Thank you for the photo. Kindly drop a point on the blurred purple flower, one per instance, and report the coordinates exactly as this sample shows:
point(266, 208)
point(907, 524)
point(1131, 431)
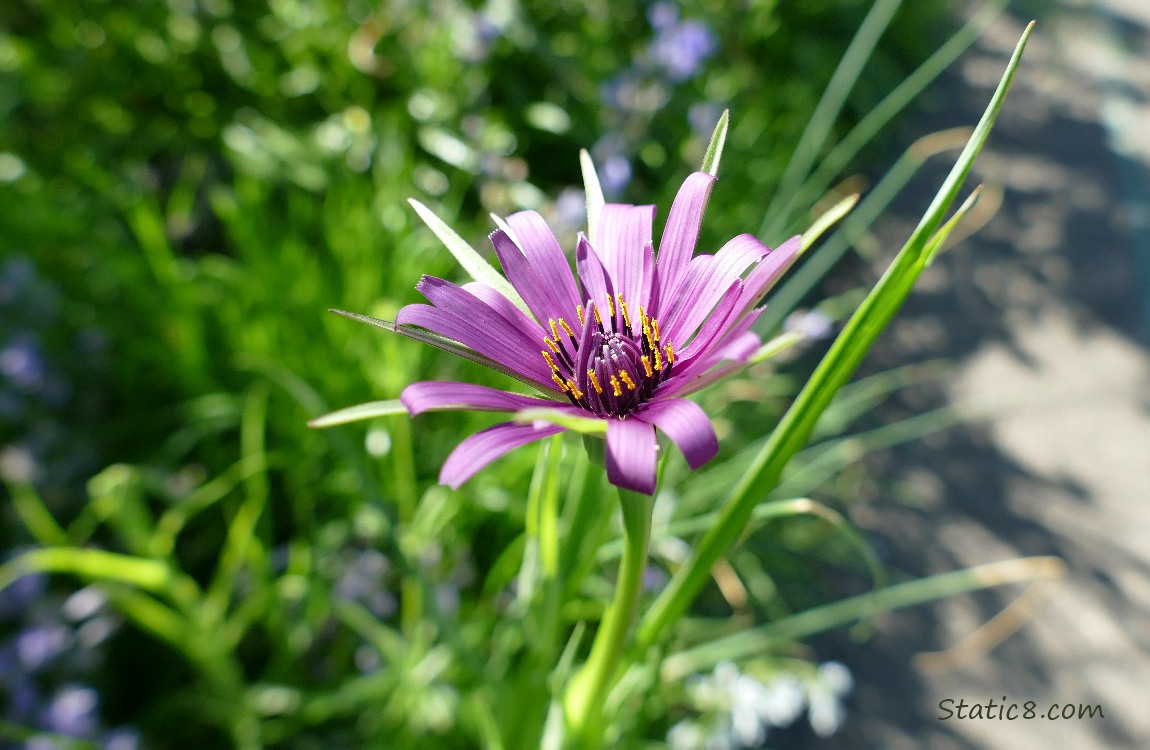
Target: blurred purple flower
point(39, 645)
point(21, 363)
point(623, 341)
point(123, 738)
point(72, 711)
point(679, 48)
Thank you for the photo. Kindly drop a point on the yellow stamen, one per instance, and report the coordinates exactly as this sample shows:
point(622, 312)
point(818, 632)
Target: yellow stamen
point(647, 365)
point(655, 328)
point(595, 309)
point(551, 345)
point(615, 386)
point(554, 330)
point(547, 356)
point(626, 378)
point(611, 305)
point(578, 394)
point(579, 312)
point(567, 328)
point(623, 307)
point(658, 358)
point(670, 352)
point(559, 382)
point(594, 381)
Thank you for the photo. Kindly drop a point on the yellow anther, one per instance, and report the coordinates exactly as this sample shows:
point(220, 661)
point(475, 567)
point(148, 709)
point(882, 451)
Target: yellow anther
point(647, 365)
point(623, 307)
point(554, 329)
point(670, 352)
point(578, 394)
point(594, 381)
point(551, 345)
point(611, 305)
point(642, 317)
point(559, 382)
point(595, 309)
point(579, 312)
point(658, 358)
point(615, 386)
point(567, 328)
point(655, 328)
point(626, 378)
point(547, 356)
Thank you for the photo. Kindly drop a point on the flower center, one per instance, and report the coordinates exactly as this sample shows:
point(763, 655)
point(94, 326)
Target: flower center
point(615, 366)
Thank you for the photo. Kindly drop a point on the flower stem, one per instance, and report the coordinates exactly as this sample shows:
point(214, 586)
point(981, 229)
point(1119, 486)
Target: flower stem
point(587, 692)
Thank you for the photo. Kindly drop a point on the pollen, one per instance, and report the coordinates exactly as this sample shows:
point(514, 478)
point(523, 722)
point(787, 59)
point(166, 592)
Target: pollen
point(547, 356)
point(595, 310)
point(559, 382)
point(610, 305)
point(623, 307)
point(615, 386)
point(551, 345)
point(578, 394)
point(647, 365)
point(655, 328)
point(579, 312)
point(670, 353)
point(554, 328)
point(658, 358)
point(594, 381)
point(626, 378)
point(567, 328)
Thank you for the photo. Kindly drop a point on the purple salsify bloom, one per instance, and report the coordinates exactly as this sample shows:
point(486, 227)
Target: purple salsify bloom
point(623, 340)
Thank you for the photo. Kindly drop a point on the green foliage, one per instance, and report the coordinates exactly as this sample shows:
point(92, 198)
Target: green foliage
point(194, 182)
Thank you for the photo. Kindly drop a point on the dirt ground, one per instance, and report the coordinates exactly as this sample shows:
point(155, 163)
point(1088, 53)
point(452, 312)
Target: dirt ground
point(1044, 316)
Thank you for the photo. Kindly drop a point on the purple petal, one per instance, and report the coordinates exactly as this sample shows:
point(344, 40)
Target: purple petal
point(441, 395)
point(770, 269)
point(681, 234)
point(482, 448)
point(717, 323)
point(596, 284)
point(620, 236)
point(527, 362)
point(494, 299)
point(536, 291)
point(737, 345)
point(546, 257)
point(631, 455)
point(687, 425)
point(708, 278)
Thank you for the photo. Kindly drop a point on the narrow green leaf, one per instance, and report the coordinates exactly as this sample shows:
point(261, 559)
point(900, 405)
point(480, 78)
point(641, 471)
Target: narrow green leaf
point(471, 261)
point(897, 596)
point(90, 564)
point(592, 189)
point(828, 220)
point(369, 410)
point(715, 147)
point(836, 367)
point(582, 425)
point(936, 242)
point(831, 102)
point(841, 154)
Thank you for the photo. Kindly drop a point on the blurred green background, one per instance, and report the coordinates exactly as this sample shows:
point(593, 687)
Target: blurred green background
point(186, 186)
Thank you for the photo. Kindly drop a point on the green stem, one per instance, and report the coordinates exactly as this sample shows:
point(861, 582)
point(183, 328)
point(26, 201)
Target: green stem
point(583, 702)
